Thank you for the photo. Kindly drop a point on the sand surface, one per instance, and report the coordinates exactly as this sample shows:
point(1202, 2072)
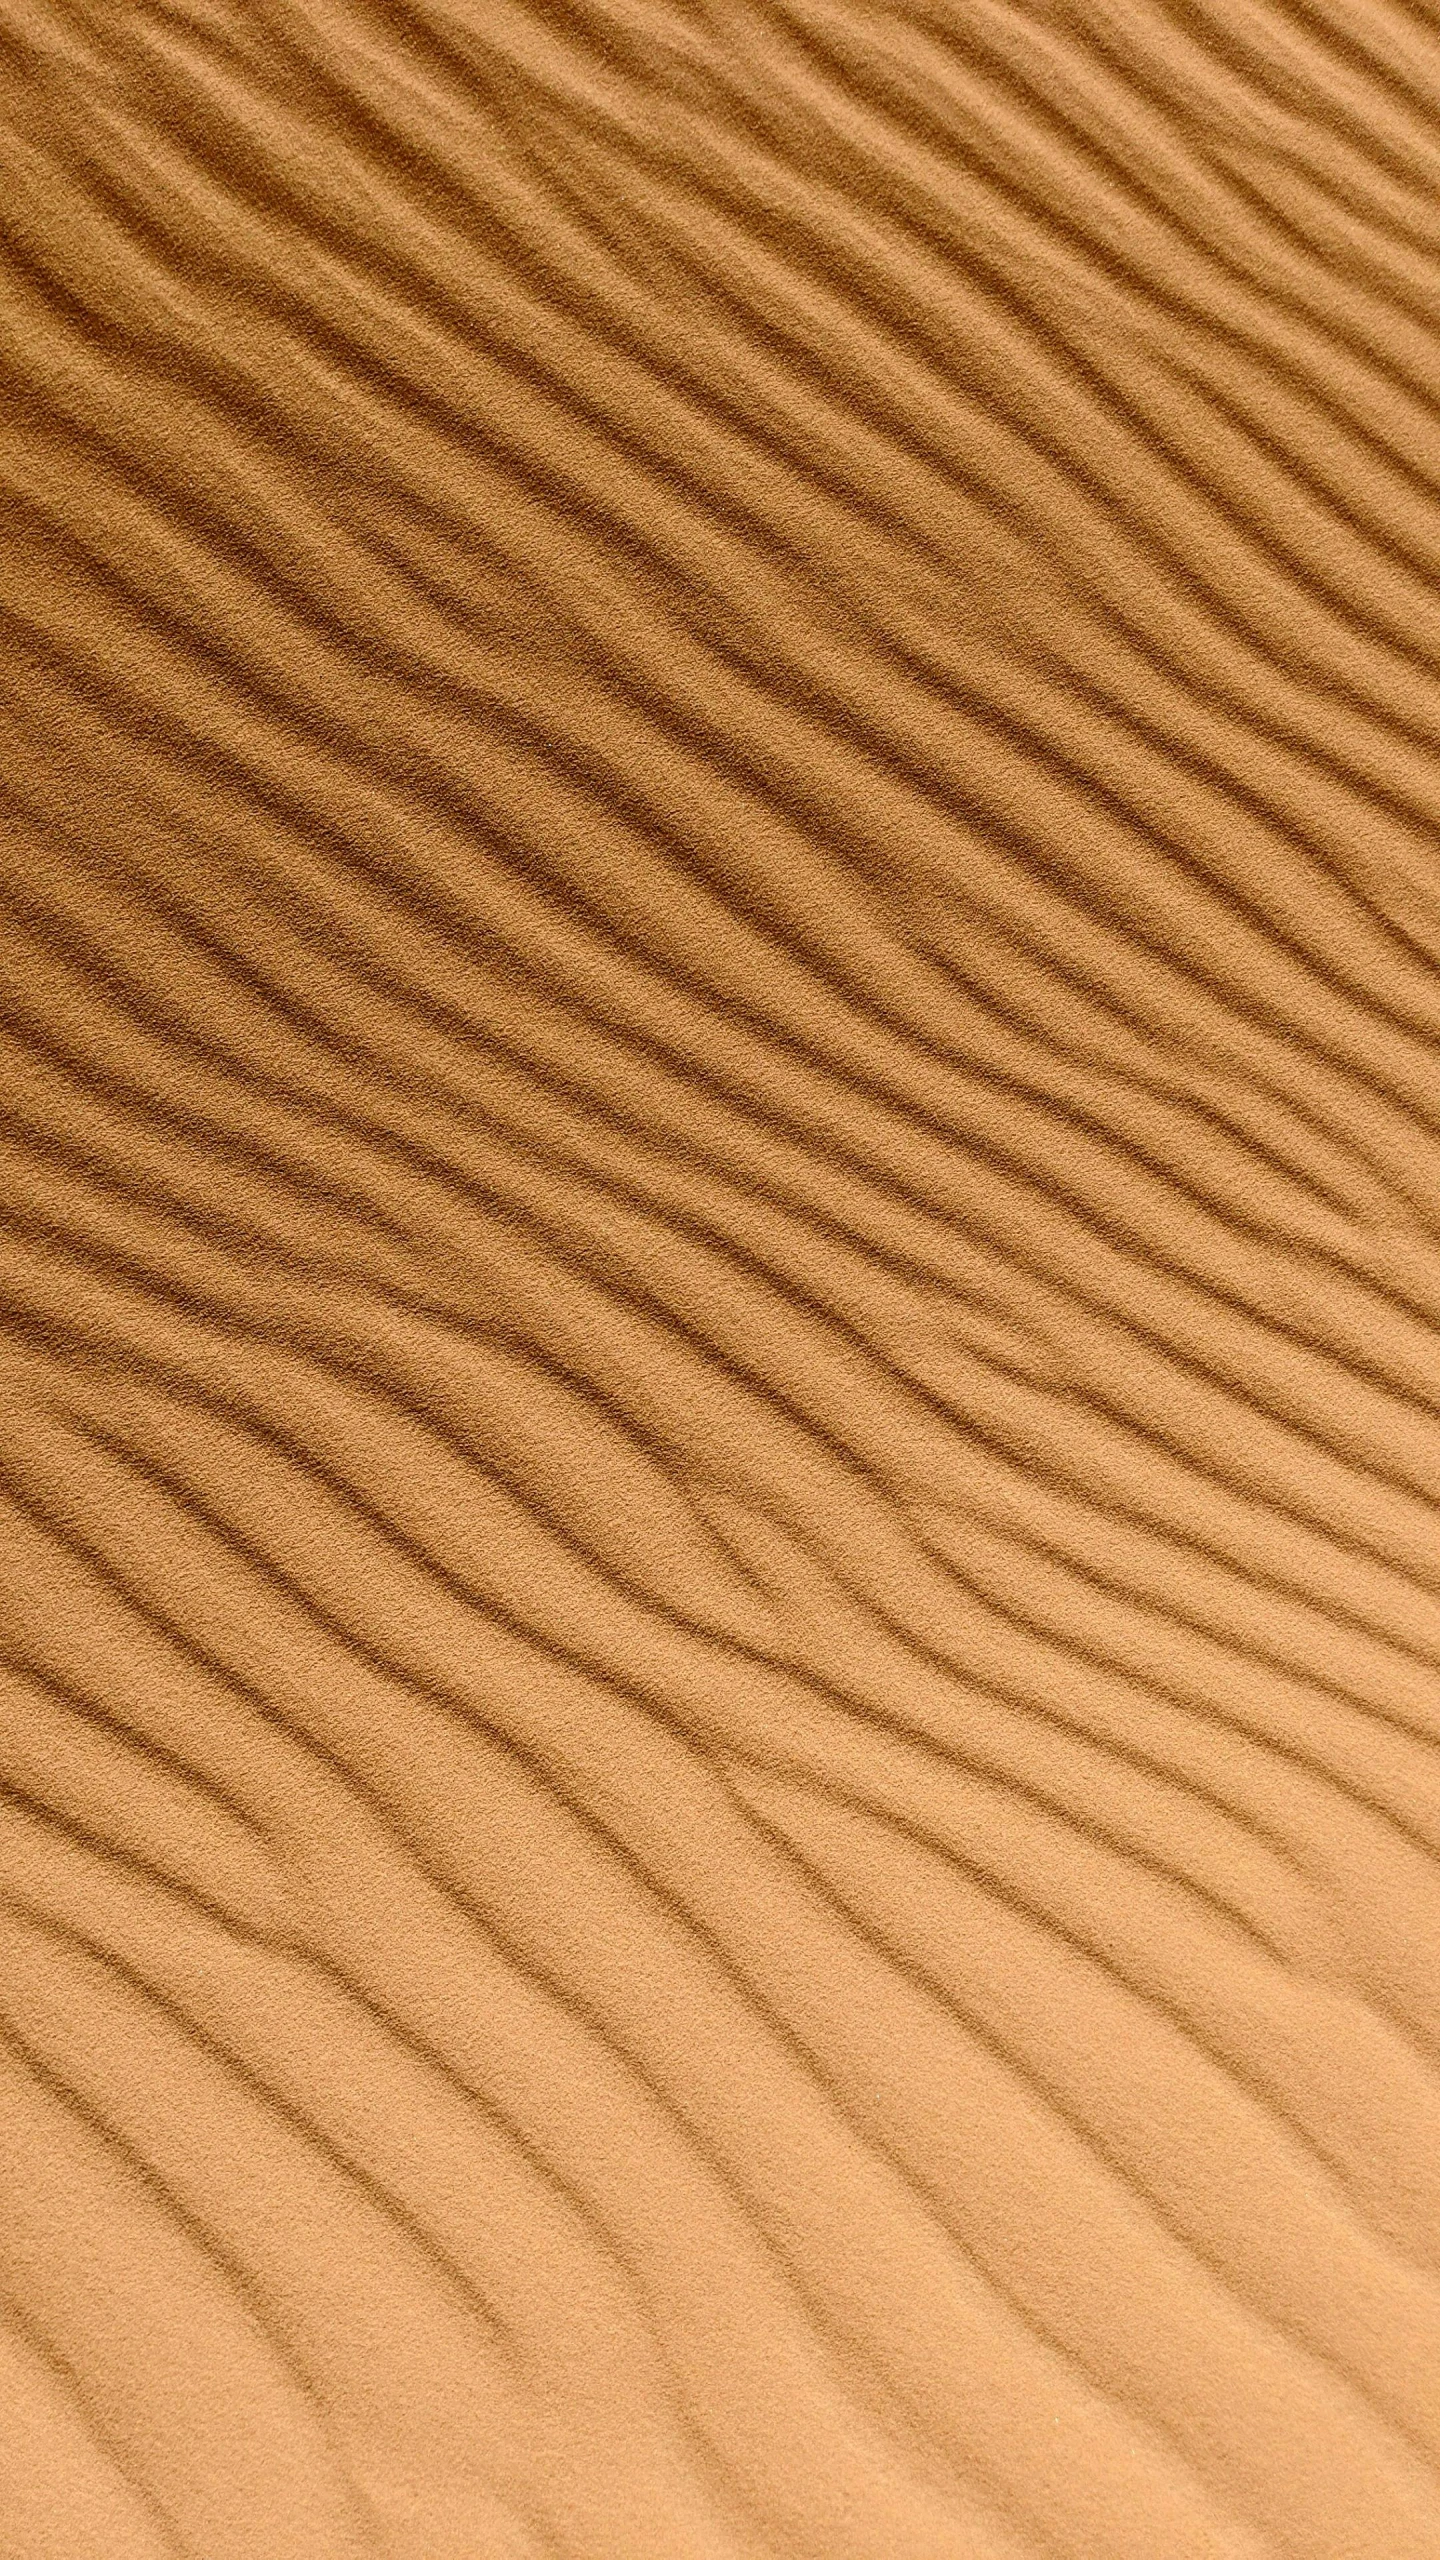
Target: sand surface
point(720, 1280)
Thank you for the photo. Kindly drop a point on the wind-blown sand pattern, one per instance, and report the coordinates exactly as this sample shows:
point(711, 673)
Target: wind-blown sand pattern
point(720, 1750)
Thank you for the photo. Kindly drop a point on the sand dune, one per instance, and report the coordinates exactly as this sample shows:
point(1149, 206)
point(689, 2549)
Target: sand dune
point(720, 1286)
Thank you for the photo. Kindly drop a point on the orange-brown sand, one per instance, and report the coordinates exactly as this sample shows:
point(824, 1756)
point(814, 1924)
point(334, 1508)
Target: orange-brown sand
point(720, 1280)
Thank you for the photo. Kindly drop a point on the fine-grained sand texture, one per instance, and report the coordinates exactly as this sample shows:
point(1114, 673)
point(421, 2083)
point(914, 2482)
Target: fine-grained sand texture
point(720, 1280)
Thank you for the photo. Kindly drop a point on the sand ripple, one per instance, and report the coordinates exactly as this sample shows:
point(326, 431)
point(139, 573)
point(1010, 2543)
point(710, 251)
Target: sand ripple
point(720, 1281)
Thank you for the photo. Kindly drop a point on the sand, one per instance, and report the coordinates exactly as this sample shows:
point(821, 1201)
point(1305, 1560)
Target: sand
point(720, 1280)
